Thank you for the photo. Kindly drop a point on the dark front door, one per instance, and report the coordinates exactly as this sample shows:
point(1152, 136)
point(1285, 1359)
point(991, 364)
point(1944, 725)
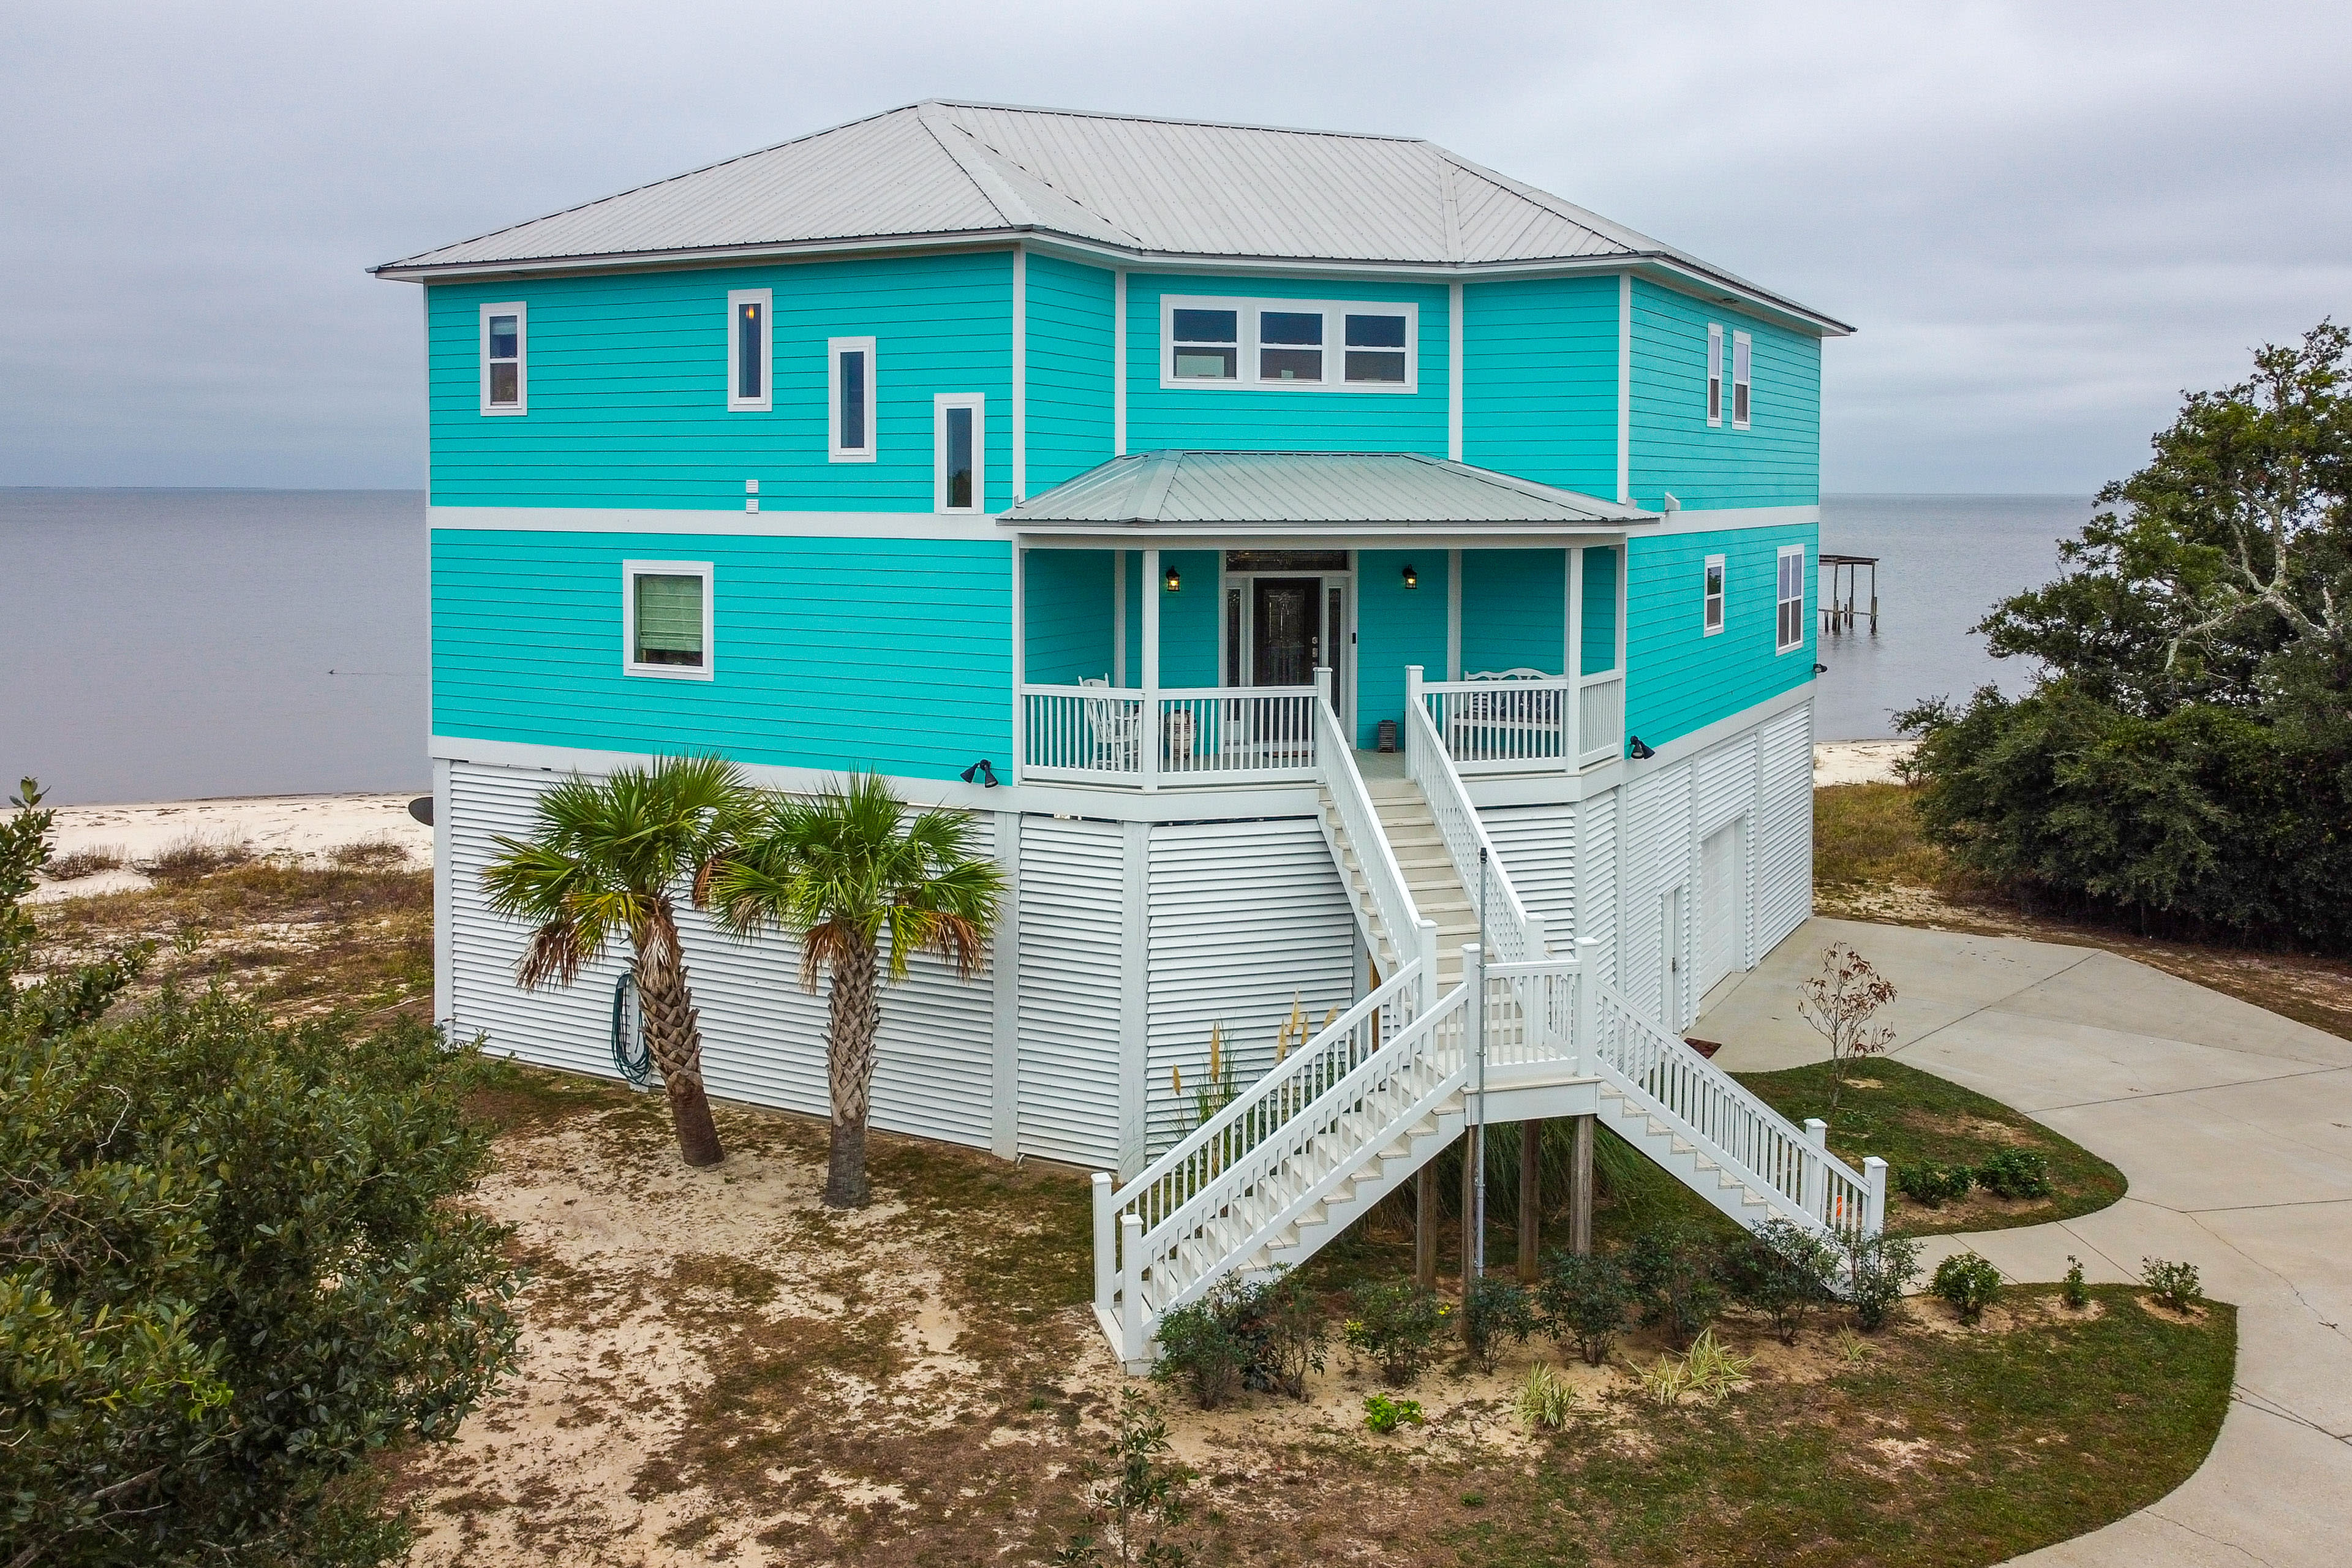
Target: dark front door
point(1288, 620)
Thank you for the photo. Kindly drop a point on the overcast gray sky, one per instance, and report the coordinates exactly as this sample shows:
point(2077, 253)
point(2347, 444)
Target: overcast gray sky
point(2045, 220)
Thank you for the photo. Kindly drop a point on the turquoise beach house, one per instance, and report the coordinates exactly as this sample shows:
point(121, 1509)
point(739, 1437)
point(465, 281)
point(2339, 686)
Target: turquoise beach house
point(1293, 547)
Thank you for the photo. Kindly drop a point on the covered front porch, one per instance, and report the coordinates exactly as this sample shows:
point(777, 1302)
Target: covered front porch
point(1194, 656)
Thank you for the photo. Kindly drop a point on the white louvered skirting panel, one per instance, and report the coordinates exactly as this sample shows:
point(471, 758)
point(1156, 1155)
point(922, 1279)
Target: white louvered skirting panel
point(1245, 918)
point(1538, 845)
point(763, 1037)
point(1784, 836)
point(1659, 856)
point(1596, 913)
point(1073, 881)
point(1722, 789)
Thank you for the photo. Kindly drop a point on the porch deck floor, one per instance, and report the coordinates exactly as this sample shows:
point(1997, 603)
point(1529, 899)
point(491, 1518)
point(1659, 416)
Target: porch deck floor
point(1380, 764)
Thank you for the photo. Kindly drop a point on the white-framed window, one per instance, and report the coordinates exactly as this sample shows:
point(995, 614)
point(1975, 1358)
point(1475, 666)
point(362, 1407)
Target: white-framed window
point(666, 619)
point(958, 451)
point(751, 347)
point(1714, 373)
point(505, 358)
point(849, 399)
point(1306, 345)
point(1790, 623)
point(1711, 618)
point(1741, 352)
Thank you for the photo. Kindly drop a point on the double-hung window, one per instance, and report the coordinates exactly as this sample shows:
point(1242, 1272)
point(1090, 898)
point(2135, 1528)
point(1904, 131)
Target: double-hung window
point(849, 399)
point(1790, 627)
point(506, 383)
point(1327, 345)
point(750, 337)
point(1714, 373)
point(666, 613)
point(1711, 618)
point(960, 451)
point(1740, 353)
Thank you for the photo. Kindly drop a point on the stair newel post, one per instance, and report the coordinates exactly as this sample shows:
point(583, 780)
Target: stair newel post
point(1106, 1244)
point(1817, 1135)
point(1323, 688)
point(1130, 1318)
point(1874, 1213)
point(1428, 965)
point(1588, 1002)
point(1539, 947)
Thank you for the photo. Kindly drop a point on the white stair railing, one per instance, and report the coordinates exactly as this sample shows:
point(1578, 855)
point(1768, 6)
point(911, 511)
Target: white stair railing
point(1515, 935)
point(1394, 915)
point(1789, 1168)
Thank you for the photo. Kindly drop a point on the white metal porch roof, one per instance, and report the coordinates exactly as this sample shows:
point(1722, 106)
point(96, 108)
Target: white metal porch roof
point(1305, 493)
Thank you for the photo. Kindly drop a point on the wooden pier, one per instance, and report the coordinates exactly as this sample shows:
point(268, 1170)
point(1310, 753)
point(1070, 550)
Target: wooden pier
point(1840, 610)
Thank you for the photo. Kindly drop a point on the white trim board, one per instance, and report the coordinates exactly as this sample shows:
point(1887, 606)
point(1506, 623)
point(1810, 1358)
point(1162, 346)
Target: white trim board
point(1724, 519)
point(694, 521)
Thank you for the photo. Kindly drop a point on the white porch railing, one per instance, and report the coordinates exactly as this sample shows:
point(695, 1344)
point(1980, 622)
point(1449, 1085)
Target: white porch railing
point(1146, 739)
point(1706, 1107)
point(1515, 935)
point(1599, 717)
point(1395, 916)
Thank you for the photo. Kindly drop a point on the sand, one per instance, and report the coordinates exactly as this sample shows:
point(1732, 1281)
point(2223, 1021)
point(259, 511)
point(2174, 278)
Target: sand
point(1858, 761)
point(304, 826)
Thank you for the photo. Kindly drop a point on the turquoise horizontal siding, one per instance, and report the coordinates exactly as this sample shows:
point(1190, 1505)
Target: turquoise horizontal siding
point(1514, 610)
point(1066, 603)
point(1540, 380)
point(628, 386)
point(1069, 363)
point(1678, 678)
point(1599, 628)
point(893, 654)
point(1189, 622)
point(1256, 419)
point(1775, 462)
point(1395, 626)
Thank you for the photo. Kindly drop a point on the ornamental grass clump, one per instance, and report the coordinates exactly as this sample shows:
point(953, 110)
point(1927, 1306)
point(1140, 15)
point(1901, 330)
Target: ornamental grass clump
point(1969, 1283)
point(1495, 1312)
point(1546, 1401)
point(1584, 1300)
point(1397, 1327)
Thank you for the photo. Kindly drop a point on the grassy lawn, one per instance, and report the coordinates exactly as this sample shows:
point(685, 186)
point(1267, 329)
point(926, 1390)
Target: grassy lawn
point(1951, 1449)
point(1907, 1117)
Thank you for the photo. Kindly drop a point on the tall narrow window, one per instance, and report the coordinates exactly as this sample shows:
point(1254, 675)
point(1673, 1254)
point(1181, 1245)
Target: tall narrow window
point(849, 398)
point(1206, 345)
point(1790, 626)
point(1740, 356)
point(667, 618)
point(1712, 617)
point(1290, 345)
point(960, 437)
point(1714, 373)
point(750, 333)
point(506, 385)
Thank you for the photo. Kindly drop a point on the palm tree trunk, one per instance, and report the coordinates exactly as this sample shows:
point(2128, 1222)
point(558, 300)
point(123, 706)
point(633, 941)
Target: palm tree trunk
point(673, 1035)
point(856, 1006)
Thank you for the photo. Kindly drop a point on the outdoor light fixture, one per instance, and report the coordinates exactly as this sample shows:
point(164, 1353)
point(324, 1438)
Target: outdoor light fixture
point(1635, 749)
point(1412, 577)
point(1173, 581)
point(981, 773)
point(1820, 669)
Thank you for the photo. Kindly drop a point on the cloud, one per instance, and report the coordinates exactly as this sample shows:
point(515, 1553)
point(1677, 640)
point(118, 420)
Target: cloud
point(2046, 221)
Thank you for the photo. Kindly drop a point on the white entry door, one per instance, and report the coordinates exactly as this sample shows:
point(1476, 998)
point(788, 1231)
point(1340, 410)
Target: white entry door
point(1674, 993)
point(1719, 901)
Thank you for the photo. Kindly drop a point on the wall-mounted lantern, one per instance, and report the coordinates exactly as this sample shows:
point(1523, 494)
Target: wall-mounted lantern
point(1412, 577)
point(1173, 580)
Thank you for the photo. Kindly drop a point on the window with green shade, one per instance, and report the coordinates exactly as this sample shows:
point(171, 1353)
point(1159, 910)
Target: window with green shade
point(669, 618)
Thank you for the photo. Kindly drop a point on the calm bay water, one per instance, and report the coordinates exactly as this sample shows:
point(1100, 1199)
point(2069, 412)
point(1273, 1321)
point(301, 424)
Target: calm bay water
point(162, 645)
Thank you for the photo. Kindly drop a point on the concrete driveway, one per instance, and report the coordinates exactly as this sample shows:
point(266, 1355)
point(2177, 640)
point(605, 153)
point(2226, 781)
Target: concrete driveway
point(2234, 1127)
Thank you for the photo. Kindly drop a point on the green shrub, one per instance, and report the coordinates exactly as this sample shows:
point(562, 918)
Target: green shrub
point(1396, 1326)
point(1384, 1414)
point(1495, 1312)
point(1969, 1283)
point(2014, 1174)
point(1933, 1186)
point(1546, 1401)
point(1201, 1352)
point(2072, 1289)
point(1265, 1334)
point(2174, 1284)
point(1783, 1271)
point(1879, 1271)
point(1676, 1271)
point(1584, 1300)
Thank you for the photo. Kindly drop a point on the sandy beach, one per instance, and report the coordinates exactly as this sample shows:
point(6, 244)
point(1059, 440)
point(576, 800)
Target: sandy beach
point(304, 826)
point(1858, 761)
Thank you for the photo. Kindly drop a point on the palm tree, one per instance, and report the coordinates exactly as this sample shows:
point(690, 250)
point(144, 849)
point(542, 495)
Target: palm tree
point(603, 860)
point(846, 873)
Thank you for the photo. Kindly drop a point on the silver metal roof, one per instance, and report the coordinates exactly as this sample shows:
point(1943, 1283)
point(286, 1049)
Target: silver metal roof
point(1145, 186)
point(1296, 492)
